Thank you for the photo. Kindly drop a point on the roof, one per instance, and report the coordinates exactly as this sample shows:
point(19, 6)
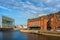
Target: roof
point(7, 18)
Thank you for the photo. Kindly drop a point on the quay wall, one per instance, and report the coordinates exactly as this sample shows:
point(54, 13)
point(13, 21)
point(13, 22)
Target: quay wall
point(37, 32)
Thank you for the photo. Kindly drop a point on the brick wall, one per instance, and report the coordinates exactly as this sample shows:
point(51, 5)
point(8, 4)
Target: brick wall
point(42, 21)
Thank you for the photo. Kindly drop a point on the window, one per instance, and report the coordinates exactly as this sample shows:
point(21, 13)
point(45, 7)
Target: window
point(58, 17)
point(8, 22)
point(59, 22)
point(58, 26)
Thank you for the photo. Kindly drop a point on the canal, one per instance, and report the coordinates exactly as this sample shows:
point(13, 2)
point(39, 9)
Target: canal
point(17, 35)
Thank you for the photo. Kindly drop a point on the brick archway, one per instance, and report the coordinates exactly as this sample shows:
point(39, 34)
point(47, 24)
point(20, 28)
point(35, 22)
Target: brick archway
point(49, 25)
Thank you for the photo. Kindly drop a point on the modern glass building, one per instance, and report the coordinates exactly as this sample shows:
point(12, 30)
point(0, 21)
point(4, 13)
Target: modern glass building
point(6, 22)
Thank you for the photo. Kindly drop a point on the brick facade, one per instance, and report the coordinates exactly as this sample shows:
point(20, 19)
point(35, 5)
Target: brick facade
point(47, 22)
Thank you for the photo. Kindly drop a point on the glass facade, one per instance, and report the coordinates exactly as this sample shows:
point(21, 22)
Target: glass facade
point(0, 21)
point(6, 22)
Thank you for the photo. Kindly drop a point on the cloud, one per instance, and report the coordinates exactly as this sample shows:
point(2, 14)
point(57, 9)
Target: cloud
point(42, 14)
point(30, 7)
point(48, 1)
point(5, 8)
point(58, 5)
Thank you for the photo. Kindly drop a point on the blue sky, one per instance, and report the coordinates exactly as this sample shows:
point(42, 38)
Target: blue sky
point(21, 10)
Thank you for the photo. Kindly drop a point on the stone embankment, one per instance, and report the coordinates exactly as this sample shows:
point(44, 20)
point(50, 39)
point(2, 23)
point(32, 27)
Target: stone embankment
point(50, 33)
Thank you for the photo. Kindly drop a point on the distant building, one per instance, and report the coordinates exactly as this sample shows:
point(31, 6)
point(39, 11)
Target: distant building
point(6, 22)
point(46, 22)
point(20, 26)
point(24, 26)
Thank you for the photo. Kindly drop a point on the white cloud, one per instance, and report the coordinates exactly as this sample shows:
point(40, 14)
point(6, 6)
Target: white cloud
point(48, 1)
point(5, 8)
point(29, 7)
point(58, 5)
point(42, 14)
point(38, 15)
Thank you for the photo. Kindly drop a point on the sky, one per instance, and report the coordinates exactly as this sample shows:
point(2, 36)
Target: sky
point(22, 10)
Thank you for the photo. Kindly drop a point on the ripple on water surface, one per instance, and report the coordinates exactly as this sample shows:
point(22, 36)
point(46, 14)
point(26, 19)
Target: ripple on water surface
point(17, 35)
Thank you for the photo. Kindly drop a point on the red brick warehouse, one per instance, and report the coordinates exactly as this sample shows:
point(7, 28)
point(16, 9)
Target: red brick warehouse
point(47, 22)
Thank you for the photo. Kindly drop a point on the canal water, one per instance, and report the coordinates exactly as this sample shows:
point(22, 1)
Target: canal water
point(17, 35)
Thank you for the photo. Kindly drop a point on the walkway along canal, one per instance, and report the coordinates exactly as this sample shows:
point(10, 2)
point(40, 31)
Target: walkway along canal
point(17, 35)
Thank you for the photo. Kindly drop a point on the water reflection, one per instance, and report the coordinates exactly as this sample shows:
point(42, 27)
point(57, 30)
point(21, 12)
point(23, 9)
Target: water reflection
point(36, 37)
point(41, 37)
point(1, 37)
point(7, 35)
point(17, 35)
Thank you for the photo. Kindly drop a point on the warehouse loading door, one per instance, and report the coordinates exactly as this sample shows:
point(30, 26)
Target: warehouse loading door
point(48, 25)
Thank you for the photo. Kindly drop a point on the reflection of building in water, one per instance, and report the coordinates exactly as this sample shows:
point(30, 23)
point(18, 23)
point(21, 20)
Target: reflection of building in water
point(7, 35)
point(36, 37)
point(41, 37)
point(6, 22)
